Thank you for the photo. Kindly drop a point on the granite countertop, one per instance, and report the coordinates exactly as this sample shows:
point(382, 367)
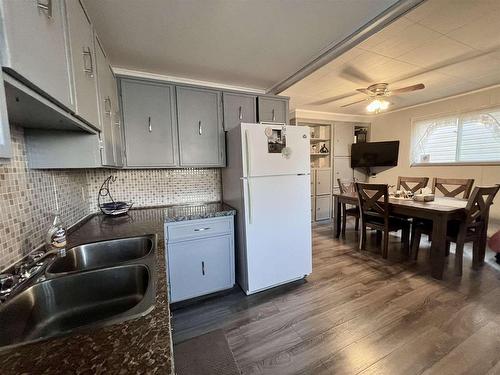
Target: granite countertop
point(139, 346)
point(197, 211)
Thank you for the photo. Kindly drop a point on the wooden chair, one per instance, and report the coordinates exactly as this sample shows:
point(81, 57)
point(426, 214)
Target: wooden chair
point(413, 184)
point(461, 185)
point(471, 229)
point(374, 209)
point(348, 187)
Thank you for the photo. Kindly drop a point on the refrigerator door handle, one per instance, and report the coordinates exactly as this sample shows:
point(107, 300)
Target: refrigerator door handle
point(249, 202)
point(247, 152)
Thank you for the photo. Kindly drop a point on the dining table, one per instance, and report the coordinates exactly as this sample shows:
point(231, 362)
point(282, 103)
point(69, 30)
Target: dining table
point(440, 211)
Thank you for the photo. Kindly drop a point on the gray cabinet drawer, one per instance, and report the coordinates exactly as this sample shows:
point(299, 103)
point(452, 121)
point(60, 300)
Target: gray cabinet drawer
point(193, 229)
point(200, 267)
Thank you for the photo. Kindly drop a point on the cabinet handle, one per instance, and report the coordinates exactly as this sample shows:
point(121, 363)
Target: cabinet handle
point(240, 115)
point(45, 7)
point(274, 117)
point(88, 53)
point(201, 229)
point(107, 106)
point(200, 131)
point(203, 268)
point(150, 127)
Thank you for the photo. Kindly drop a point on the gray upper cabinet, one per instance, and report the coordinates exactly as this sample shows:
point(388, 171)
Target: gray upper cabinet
point(33, 40)
point(238, 108)
point(5, 145)
point(81, 38)
point(273, 109)
point(150, 124)
point(116, 125)
point(105, 85)
point(201, 137)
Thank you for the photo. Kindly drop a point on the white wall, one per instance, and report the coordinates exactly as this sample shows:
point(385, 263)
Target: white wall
point(397, 126)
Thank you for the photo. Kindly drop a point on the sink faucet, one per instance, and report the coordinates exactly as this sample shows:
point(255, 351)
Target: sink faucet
point(26, 270)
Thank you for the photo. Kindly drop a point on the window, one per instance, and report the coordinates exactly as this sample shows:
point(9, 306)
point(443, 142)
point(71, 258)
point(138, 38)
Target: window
point(472, 137)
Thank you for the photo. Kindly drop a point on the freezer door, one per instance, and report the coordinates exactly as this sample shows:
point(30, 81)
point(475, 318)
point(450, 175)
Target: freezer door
point(273, 150)
point(278, 230)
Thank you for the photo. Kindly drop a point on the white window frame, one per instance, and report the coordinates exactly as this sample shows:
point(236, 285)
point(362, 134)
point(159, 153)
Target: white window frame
point(459, 115)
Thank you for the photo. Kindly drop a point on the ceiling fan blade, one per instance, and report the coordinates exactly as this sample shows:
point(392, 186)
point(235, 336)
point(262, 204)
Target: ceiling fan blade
point(366, 91)
point(416, 87)
point(359, 101)
point(354, 75)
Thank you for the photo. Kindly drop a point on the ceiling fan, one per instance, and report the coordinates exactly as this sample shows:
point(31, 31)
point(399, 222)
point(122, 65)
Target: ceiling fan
point(378, 91)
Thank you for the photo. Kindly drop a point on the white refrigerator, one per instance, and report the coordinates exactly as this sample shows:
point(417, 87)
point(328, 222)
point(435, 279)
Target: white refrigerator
point(267, 180)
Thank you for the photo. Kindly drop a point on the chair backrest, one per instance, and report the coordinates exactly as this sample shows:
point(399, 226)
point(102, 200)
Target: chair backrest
point(478, 205)
point(373, 201)
point(460, 185)
point(412, 184)
point(346, 186)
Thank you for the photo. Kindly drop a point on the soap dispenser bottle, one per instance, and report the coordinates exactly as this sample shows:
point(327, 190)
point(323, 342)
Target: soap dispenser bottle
point(56, 236)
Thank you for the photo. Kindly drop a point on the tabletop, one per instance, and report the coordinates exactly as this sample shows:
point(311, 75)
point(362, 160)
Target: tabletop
point(441, 204)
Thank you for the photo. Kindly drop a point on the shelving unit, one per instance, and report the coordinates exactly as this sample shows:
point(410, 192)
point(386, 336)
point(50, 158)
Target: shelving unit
point(327, 167)
point(320, 136)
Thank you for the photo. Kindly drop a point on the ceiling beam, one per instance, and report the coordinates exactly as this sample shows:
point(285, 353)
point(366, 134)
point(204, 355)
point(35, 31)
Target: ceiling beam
point(378, 23)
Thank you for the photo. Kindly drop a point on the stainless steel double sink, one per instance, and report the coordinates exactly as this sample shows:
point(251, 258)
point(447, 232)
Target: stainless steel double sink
point(94, 285)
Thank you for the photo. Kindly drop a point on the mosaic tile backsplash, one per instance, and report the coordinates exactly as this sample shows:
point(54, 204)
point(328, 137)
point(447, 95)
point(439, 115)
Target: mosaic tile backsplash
point(27, 201)
point(27, 197)
point(157, 187)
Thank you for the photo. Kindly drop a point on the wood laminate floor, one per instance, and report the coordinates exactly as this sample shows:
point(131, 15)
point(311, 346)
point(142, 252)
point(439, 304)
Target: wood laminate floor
point(360, 314)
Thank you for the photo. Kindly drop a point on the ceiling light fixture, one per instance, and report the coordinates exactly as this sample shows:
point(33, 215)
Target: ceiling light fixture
point(377, 105)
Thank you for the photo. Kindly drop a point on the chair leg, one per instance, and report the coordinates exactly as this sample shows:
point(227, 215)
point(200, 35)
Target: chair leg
point(476, 256)
point(378, 237)
point(385, 247)
point(405, 239)
point(356, 226)
point(415, 245)
point(459, 253)
point(362, 239)
point(447, 251)
point(344, 220)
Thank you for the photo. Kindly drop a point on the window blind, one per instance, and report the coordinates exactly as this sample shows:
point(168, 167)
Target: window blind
point(463, 138)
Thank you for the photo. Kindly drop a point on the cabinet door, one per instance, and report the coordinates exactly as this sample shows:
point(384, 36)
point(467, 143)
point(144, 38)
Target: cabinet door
point(5, 147)
point(238, 108)
point(323, 181)
point(323, 207)
point(35, 45)
point(201, 138)
point(342, 169)
point(116, 125)
point(150, 124)
point(81, 39)
point(199, 267)
point(105, 81)
point(312, 209)
point(313, 179)
point(344, 136)
point(273, 109)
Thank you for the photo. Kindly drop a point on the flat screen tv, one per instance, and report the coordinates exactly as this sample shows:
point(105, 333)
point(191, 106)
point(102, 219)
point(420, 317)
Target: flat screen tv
point(374, 154)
